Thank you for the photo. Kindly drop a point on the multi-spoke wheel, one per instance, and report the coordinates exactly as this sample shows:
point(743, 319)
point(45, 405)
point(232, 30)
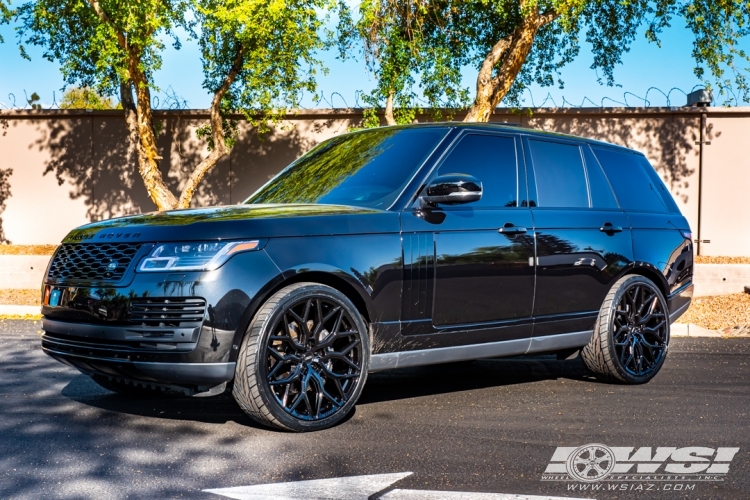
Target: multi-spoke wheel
point(631, 336)
point(304, 359)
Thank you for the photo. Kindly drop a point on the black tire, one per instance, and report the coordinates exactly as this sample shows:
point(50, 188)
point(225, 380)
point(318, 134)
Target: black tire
point(134, 389)
point(307, 341)
point(631, 335)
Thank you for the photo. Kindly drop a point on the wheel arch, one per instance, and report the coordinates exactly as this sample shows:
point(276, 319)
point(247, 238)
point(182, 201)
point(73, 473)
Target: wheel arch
point(328, 277)
point(332, 279)
point(652, 273)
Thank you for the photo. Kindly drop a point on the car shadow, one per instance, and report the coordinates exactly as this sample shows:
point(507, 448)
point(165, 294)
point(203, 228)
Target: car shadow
point(218, 409)
point(421, 381)
point(391, 385)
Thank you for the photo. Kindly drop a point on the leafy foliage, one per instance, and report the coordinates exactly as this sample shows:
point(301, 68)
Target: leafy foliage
point(278, 40)
point(609, 28)
point(85, 98)
point(405, 45)
point(420, 45)
point(89, 50)
point(5, 15)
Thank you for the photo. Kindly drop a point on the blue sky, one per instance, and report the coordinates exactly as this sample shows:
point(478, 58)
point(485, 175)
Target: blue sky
point(644, 67)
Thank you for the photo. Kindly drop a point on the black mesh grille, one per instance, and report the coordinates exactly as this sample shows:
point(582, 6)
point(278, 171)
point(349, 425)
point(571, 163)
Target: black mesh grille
point(167, 311)
point(92, 261)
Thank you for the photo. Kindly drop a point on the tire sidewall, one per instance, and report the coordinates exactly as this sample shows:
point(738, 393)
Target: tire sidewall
point(291, 297)
point(623, 374)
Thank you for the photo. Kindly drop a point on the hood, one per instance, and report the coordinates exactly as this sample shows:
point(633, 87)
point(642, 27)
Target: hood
point(236, 222)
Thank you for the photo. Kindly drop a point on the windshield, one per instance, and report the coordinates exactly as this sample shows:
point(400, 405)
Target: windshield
point(365, 169)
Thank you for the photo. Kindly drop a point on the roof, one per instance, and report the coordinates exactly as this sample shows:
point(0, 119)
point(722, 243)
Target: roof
point(514, 128)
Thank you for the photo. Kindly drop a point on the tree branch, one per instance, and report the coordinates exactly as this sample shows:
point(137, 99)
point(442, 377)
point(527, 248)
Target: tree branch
point(513, 51)
point(217, 133)
point(106, 20)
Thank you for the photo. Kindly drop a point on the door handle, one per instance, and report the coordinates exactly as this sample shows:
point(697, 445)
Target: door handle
point(511, 229)
point(609, 228)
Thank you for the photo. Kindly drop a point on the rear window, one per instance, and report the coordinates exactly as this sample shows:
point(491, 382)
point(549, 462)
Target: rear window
point(666, 196)
point(635, 189)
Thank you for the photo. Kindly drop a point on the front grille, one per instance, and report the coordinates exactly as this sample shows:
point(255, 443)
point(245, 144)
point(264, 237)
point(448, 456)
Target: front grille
point(167, 311)
point(92, 261)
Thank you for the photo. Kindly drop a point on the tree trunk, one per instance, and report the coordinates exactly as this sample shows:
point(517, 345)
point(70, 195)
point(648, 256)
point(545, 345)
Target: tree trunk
point(493, 81)
point(139, 118)
point(140, 121)
point(389, 118)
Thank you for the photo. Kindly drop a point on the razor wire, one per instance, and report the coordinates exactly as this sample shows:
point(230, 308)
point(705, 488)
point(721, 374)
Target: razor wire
point(169, 99)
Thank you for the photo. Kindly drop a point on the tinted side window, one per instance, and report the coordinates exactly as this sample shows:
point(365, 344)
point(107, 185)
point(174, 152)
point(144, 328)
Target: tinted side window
point(634, 189)
point(601, 191)
point(560, 178)
point(492, 160)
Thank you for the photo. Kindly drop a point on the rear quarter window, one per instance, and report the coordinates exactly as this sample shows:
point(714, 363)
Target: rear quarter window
point(635, 188)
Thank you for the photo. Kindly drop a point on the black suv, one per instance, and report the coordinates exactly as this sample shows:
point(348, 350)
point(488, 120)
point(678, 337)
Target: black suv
point(380, 249)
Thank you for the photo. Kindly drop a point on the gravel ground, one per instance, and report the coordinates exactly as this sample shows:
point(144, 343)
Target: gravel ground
point(719, 312)
point(704, 259)
point(20, 297)
point(27, 249)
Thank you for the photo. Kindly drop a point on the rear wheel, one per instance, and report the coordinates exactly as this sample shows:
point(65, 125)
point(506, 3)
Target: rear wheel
point(304, 359)
point(631, 335)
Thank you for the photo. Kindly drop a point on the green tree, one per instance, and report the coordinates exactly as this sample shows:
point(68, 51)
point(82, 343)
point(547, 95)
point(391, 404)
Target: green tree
point(257, 55)
point(406, 46)
point(514, 43)
point(517, 42)
point(86, 98)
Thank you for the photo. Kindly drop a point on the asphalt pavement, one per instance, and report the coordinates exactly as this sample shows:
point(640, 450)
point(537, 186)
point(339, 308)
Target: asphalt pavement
point(490, 426)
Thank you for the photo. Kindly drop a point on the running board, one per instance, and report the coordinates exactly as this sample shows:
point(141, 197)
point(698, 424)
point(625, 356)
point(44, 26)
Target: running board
point(391, 360)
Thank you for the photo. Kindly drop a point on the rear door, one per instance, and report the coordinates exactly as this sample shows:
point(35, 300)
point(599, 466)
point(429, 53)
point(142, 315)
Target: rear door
point(659, 229)
point(583, 238)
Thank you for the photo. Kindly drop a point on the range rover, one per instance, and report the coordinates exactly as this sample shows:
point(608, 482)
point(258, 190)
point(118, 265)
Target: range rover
point(380, 249)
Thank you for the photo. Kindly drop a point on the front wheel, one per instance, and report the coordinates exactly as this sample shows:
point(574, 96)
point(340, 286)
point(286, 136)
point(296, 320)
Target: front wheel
point(631, 335)
point(304, 359)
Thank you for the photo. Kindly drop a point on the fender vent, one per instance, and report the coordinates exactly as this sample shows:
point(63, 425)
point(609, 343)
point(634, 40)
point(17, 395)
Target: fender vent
point(176, 312)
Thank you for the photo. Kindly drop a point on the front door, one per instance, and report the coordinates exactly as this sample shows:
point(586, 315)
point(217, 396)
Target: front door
point(471, 266)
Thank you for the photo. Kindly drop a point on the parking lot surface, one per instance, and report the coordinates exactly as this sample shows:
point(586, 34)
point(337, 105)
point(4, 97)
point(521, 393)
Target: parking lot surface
point(490, 426)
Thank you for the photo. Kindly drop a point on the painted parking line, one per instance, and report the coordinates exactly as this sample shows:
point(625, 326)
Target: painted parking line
point(358, 488)
point(398, 494)
point(339, 488)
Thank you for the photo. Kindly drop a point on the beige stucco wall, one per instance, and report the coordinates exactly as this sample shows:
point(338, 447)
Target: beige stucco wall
point(70, 167)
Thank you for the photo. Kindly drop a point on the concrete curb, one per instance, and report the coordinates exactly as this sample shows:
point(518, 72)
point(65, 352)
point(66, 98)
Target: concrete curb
point(691, 330)
point(6, 310)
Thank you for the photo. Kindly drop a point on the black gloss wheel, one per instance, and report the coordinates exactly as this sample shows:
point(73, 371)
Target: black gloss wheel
point(304, 359)
point(641, 333)
point(313, 358)
point(631, 335)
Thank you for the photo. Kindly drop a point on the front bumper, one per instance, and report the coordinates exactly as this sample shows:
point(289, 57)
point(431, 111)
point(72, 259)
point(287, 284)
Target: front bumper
point(197, 376)
point(92, 329)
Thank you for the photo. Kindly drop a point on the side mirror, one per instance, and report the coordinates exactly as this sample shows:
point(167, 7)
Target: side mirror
point(452, 189)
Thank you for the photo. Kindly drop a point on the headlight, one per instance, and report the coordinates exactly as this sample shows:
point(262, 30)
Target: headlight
point(194, 256)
